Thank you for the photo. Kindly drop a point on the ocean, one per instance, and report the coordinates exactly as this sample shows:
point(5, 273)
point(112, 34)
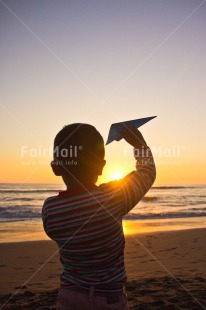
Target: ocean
point(21, 204)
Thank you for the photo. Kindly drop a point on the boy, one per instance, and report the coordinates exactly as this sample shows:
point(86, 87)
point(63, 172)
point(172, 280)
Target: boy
point(86, 220)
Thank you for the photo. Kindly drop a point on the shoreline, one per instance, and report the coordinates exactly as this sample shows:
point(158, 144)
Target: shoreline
point(127, 235)
point(32, 230)
point(158, 264)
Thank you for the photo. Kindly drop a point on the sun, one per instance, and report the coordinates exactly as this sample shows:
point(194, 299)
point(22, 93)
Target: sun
point(112, 174)
point(117, 175)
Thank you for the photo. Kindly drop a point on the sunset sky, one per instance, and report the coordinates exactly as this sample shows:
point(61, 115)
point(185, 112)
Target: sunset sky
point(101, 62)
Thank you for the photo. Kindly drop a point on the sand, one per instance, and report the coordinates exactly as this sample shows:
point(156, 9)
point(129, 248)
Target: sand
point(166, 270)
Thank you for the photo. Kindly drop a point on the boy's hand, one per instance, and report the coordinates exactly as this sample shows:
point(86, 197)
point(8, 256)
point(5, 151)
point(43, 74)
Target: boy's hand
point(133, 136)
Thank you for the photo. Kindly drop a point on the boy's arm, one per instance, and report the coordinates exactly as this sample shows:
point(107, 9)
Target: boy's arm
point(135, 185)
point(44, 217)
point(45, 214)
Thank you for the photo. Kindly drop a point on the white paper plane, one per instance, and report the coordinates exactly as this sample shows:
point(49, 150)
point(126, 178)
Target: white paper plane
point(115, 129)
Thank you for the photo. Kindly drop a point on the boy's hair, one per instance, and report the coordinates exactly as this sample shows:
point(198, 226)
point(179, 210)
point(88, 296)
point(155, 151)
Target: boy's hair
point(79, 148)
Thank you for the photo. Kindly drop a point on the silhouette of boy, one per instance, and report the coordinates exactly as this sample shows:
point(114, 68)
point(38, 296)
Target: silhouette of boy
point(85, 220)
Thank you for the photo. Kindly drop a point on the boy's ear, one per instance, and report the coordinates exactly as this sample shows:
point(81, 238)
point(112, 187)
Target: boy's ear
point(56, 168)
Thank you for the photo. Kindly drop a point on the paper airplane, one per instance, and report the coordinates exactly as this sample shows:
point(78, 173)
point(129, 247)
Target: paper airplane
point(115, 129)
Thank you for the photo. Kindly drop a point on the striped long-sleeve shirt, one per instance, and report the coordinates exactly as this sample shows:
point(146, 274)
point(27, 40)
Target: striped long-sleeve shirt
point(87, 226)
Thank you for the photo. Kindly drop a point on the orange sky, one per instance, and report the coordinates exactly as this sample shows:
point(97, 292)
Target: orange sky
point(169, 170)
point(100, 63)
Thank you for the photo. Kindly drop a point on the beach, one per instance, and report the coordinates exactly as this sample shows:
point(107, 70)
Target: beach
point(164, 254)
point(166, 270)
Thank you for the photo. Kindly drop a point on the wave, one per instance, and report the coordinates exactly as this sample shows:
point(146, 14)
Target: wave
point(172, 187)
point(149, 198)
point(168, 215)
point(29, 191)
point(19, 199)
point(20, 212)
point(16, 216)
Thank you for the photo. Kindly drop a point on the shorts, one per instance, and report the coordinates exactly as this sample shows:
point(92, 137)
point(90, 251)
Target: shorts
point(69, 299)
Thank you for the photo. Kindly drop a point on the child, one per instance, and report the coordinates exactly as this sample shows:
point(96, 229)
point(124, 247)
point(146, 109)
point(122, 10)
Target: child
point(85, 220)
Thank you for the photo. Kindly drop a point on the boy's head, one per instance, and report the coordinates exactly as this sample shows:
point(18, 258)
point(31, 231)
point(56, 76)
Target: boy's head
point(78, 153)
